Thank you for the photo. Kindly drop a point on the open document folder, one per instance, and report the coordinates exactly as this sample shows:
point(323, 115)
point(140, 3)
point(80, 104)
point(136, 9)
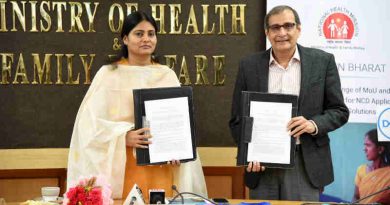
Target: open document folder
point(169, 114)
point(264, 137)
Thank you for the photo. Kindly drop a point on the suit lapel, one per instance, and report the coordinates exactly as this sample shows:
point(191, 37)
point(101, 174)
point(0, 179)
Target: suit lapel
point(263, 71)
point(306, 69)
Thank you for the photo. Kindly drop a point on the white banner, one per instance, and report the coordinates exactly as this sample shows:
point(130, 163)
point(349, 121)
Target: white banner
point(355, 31)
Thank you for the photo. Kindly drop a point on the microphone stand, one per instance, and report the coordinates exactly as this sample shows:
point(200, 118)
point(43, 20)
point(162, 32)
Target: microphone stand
point(370, 195)
point(178, 193)
point(359, 200)
point(190, 193)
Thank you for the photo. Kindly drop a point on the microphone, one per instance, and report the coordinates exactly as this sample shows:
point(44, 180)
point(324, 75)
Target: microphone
point(370, 195)
point(133, 199)
point(190, 193)
point(178, 193)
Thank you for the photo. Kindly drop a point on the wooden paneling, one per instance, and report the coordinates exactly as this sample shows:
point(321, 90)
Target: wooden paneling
point(58, 158)
point(20, 185)
point(24, 189)
point(11, 159)
point(217, 186)
point(224, 182)
point(218, 156)
point(25, 166)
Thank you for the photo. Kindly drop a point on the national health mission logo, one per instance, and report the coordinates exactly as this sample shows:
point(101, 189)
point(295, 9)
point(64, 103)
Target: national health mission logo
point(338, 24)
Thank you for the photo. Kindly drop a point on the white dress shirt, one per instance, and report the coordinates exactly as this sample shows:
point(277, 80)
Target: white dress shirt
point(285, 80)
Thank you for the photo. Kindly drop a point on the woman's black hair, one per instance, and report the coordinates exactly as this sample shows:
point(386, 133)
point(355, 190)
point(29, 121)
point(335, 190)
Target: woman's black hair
point(373, 137)
point(131, 21)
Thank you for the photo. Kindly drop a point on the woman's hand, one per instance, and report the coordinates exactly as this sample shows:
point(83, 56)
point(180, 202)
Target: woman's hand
point(174, 162)
point(138, 138)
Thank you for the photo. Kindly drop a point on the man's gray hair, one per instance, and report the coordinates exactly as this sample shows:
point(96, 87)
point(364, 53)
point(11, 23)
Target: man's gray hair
point(278, 10)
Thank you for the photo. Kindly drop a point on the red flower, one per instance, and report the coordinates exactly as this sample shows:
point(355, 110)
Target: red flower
point(95, 197)
point(86, 194)
point(76, 194)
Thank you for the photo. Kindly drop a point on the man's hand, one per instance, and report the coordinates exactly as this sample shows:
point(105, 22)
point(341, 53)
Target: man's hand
point(300, 125)
point(254, 167)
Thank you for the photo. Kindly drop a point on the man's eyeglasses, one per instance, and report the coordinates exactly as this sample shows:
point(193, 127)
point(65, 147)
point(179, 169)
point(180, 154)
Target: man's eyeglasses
point(286, 26)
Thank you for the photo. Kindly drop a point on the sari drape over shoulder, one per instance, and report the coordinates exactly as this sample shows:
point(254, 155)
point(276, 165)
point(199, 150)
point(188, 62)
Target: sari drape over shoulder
point(106, 114)
point(371, 182)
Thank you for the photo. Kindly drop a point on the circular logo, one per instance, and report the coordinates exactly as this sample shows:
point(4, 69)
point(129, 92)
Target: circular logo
point(384, 123)
point(338, 26)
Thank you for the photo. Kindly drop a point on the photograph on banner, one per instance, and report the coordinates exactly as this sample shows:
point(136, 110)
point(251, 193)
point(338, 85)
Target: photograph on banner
point(372, 178)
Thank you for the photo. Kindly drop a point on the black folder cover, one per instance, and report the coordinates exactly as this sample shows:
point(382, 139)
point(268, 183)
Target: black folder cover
point(247, 123)
point(142, 95)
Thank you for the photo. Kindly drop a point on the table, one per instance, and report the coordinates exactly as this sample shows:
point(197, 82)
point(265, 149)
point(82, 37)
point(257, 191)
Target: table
point(231, 201)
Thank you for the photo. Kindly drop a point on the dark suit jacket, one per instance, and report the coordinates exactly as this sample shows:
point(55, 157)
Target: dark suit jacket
point(320, 100)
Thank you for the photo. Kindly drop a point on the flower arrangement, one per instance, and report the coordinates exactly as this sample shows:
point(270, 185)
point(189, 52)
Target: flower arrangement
point(89, 191)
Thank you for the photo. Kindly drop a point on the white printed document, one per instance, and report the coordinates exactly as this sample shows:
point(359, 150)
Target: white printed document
point(271, 142)
point(170, 128)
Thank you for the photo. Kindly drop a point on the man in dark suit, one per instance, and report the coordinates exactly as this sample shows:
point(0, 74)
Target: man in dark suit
point(311, 74)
